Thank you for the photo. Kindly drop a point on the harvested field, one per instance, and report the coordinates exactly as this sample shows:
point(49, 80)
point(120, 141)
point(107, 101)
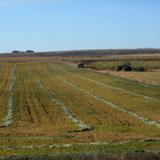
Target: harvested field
point(48, 103)
point(150, 77)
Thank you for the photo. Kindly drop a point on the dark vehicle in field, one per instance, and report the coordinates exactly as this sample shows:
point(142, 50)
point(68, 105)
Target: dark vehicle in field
point(80, 65)
point(127, 67)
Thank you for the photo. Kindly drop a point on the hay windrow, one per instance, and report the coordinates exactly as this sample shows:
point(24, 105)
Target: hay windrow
point(8, 120)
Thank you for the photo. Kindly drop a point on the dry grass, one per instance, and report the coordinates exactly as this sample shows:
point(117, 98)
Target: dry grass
point(150, 77)
point(35, 114)
point(5, 82)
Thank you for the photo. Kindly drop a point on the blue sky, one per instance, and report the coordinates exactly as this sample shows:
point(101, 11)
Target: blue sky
point(48, 25)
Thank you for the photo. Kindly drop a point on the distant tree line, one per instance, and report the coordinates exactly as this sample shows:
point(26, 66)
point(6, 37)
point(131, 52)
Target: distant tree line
point(28, 51)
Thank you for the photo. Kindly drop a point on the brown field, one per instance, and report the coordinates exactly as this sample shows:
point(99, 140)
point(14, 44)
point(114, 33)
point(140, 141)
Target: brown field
point(96, 58)
point(45, 101)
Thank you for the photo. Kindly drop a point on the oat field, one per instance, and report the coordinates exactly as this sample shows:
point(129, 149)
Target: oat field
point(49, 103)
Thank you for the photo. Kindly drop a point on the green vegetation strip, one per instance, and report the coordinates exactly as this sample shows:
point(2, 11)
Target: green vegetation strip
point(147, 140)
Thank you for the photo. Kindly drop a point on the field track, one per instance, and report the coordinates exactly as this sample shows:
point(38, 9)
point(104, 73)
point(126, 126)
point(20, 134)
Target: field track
point(58, 100)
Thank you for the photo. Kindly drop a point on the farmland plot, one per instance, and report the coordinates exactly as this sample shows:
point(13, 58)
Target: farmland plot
point(33, 113)
point(149, 77)
point(130, 102)
point(135, 87)
point(57, 100)
point(129, 99)
point(77, 101)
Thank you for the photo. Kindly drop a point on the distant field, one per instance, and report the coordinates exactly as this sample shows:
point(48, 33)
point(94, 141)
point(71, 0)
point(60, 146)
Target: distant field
point(113, 65)
point(46, 102)
point(150, 62)
point(151, 77)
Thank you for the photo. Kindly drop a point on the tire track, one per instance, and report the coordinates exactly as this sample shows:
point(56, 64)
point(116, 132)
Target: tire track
point(140, 117)
point(26, 103)
point(34, 105)
point(46, 111)
point(82, 126)
point(29, 113)
point(8, 120)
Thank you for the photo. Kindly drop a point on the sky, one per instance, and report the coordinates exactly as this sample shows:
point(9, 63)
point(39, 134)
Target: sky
point(51, 25)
